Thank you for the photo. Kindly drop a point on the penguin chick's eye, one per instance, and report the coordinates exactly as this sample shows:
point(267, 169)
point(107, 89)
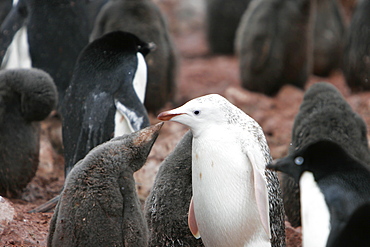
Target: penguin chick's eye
point(299, 160)
point(196, 112)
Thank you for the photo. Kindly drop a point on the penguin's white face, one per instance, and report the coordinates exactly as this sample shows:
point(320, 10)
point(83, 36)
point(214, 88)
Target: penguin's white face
point(199, 113)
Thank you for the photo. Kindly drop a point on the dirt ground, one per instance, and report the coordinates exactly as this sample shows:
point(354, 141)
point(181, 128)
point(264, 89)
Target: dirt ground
point(199, 74)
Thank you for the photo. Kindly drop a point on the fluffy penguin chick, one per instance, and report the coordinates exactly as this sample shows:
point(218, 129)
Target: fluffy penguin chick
point(230, 204)
point(99, 205)
point(166, 207)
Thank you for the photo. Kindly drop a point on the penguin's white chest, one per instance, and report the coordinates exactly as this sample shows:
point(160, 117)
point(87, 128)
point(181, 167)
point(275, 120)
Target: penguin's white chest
point(315, 213)
point(223, 194)
point(18, 55)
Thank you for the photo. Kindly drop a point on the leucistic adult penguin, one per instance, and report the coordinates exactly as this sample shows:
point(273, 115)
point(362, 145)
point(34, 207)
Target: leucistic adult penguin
point(27, 96)
point(167, 206)
point(105, 95)
point(323, 114)
point(144, 19)
point(99, 205)
point(356, 62)
point(236, 202)
point(273, 43)
point(333, 186)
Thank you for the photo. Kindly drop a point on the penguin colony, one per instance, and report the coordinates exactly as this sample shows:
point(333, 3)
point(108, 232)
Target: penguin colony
point(99, 89)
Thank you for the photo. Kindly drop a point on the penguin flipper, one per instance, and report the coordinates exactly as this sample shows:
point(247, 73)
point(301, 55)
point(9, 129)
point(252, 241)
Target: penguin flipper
point(192, 222)
point(98, 126)
point(129, 105)
point(95, 125)
point(136, 119)
point(260, 190)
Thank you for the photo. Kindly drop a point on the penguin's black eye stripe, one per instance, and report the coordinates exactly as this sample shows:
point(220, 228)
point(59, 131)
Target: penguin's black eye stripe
point(196, 112)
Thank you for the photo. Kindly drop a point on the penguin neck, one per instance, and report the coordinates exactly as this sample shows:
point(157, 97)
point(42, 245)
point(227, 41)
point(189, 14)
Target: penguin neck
point(17, 55)
point(315, 212)
point(122, 122)
point(140, 78)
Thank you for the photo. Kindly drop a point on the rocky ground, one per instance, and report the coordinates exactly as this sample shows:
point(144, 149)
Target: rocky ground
point(199, 74)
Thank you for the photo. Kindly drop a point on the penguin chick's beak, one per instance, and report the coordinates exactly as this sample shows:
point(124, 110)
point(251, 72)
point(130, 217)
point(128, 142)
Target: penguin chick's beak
point(148, 134)
point(168, 115)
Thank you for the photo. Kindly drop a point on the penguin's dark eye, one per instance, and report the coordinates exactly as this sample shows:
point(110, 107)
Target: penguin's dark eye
point(196, 112)
point(299, 160)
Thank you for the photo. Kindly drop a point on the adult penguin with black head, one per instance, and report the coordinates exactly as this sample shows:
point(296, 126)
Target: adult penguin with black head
point(144, 19)
point(323, 114)
point(334, 186)
point(99, 205)
point(356, 62)
point(103, 99)
point(57, 31)
point(27, 96)
point(273, 43)
point(167, 206)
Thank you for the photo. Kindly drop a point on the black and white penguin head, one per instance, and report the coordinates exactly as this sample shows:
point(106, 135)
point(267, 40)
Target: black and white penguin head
point(202, 112)
point(320, 158)
point(120, 53)
point(118, 59)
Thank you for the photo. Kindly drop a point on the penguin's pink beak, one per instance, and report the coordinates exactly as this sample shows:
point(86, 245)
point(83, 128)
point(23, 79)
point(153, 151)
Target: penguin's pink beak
point(167, 115)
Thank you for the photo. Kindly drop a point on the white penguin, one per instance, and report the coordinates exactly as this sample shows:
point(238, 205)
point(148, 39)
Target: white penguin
point(230, 204)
